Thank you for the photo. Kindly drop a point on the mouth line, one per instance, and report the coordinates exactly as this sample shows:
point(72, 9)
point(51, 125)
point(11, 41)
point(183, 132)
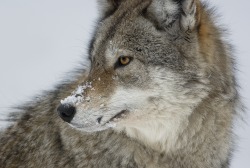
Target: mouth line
point(98, 126)
point(119, 116)
point(90, 128)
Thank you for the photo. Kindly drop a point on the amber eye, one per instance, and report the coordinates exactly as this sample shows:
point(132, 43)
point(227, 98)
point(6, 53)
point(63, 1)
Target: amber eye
point(124, 60)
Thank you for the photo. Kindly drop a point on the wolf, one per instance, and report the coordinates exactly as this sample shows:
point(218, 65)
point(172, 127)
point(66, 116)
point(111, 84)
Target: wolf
point(160, 92)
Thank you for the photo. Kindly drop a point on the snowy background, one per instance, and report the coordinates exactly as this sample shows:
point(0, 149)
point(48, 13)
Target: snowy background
point(42, 40)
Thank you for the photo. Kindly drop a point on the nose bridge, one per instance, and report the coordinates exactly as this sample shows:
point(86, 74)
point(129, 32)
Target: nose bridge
point(103, 83)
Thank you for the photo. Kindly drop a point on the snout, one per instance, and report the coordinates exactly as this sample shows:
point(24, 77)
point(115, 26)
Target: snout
point(66, 112)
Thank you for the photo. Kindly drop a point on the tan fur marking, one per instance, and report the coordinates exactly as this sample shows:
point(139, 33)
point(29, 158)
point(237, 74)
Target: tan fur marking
point(205, 36)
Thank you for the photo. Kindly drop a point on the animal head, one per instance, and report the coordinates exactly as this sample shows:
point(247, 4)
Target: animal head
point(150, 68)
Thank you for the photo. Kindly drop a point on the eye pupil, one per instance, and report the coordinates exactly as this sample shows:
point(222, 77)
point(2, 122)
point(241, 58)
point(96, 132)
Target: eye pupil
point(124, 60)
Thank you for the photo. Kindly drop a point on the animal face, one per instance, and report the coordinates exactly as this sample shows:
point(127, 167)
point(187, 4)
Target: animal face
point(147, 73)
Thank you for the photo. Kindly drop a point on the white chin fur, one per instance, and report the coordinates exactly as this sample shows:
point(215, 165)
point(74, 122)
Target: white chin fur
point(94, 128)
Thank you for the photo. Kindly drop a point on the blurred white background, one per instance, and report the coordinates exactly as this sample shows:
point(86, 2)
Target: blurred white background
point(42, 40)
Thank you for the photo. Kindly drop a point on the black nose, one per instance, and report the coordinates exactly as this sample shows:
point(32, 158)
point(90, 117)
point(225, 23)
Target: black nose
point(66, 112)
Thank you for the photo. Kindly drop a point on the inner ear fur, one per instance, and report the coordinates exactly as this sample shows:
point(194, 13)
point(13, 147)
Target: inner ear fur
point(183, 13)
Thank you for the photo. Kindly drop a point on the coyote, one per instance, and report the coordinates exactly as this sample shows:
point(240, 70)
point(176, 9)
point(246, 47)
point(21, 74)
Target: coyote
point(160, 93)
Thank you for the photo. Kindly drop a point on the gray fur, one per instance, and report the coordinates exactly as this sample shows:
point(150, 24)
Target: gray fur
point(184, 48)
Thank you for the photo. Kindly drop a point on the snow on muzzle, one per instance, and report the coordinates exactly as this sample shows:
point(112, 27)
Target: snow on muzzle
point(67, 108)
point(88, 120)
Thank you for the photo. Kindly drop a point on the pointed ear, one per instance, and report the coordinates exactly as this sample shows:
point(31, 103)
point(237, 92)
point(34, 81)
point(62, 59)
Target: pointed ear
point(167, 13)
point(108, 6)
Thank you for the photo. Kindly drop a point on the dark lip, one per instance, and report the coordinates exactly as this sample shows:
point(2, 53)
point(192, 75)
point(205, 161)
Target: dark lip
point(89, 129)
point(119, 115)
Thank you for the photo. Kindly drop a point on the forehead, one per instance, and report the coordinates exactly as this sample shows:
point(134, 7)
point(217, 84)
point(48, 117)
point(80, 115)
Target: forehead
point(125, 31)
point(118, 28)
point(128, 32)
